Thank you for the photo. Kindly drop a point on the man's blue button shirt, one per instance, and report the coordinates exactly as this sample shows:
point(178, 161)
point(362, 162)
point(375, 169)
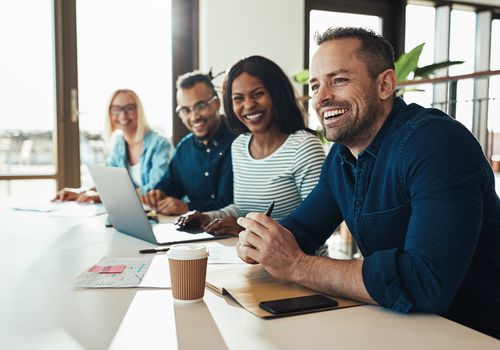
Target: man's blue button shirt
point(202, 172)
point(420, 201)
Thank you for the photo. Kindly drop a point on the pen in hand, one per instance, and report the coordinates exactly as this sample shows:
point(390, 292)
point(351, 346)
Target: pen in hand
point(270, 209)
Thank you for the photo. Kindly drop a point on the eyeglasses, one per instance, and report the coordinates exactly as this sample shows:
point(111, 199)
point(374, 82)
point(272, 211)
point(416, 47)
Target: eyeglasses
point(184, 111)
point(127, 109)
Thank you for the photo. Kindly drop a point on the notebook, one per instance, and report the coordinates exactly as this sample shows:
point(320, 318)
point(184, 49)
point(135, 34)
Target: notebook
point(125, 209)
point(251, 284)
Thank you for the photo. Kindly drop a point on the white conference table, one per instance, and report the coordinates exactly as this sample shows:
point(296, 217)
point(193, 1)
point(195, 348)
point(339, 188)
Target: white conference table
point(40, 309)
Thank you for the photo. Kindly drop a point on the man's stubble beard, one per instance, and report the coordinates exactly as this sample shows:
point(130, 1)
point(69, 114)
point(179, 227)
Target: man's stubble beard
point(210, 132)
point(355, 131)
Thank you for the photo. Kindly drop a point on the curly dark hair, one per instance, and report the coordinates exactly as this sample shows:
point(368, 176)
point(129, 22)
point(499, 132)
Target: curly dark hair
point(286, 111)
point(374, 50)
point(188, 80)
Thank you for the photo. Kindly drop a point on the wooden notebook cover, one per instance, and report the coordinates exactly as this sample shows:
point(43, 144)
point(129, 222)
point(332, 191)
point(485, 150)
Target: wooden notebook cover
point(251, 284)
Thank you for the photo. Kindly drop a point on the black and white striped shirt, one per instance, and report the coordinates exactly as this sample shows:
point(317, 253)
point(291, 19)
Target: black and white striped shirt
point(286, 176)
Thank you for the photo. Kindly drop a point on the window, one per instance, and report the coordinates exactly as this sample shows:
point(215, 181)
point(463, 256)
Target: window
point(462, 48)
point(417, 34)
point(27, 87)
point(125, 44)
point(119, 44)
point(319, 21)
point(494, 89)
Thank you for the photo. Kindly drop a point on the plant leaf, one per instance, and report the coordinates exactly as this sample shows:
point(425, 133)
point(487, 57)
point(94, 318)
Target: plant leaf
point(426, 71)
point(302, 77)
point(408, 62)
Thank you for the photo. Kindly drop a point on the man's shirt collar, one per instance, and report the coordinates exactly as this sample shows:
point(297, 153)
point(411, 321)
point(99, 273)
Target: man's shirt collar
point(223, 133)
point(345, 154)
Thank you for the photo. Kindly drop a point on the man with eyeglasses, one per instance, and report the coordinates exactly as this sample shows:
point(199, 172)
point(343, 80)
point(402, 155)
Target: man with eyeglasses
point(201, 170)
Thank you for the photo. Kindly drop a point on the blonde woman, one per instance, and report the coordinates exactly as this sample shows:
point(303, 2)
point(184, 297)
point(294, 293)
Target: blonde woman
point(143, 152)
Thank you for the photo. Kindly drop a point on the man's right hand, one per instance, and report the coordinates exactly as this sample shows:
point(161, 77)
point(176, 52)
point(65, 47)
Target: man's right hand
point(193, 218)
point(153, 198)
point(266, 242)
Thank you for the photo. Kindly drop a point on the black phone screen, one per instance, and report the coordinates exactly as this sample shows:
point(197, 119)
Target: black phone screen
point(297, 304)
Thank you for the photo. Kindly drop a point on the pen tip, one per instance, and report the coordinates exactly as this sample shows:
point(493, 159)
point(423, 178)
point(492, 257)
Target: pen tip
point(270, 208)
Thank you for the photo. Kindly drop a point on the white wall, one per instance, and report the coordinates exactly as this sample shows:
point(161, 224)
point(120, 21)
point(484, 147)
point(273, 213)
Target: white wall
point(233, 29)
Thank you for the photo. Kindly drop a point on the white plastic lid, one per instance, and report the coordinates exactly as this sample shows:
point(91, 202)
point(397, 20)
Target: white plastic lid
point(187, 252)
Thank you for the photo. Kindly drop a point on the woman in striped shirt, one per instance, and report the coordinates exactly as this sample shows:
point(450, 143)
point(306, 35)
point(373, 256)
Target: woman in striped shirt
point(276, 158)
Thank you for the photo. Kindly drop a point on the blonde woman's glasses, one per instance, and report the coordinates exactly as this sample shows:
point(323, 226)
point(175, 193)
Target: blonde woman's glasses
point(127, 109)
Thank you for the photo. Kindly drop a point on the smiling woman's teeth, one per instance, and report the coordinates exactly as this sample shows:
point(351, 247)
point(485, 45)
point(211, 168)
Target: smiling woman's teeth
point(253, 116)
point(334, 113)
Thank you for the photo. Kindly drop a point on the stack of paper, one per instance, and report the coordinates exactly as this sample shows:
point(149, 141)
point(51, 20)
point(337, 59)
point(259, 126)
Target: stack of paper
point(221, 254)
point(146, 272)
point(66, 209)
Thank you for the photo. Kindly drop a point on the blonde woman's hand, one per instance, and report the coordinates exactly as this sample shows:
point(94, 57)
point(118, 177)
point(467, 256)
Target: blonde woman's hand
point(68, 194)
point(89, 196)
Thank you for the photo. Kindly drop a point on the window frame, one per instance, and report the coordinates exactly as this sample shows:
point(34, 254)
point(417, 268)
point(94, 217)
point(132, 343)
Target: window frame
point(185, 36)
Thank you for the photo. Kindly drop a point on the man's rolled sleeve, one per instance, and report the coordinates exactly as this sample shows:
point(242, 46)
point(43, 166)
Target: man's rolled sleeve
point(381, 279)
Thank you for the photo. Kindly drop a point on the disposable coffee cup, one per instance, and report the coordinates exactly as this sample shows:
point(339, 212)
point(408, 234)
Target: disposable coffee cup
point(188, 270)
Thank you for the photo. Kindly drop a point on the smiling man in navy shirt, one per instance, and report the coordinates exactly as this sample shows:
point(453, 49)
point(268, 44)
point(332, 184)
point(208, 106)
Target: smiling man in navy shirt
point(201, 168)
point(413, 186)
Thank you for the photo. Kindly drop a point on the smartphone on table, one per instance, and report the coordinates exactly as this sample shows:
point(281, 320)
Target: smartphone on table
point(298, 304)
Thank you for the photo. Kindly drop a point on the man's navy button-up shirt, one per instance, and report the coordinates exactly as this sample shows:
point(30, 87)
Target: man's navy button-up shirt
point(420, 202)
point(203, 173)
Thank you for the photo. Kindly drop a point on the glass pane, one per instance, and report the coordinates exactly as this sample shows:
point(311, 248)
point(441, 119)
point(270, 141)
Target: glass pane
point(462, 48)
point(27, 87)
point(494, 101)
point(319, 21)
point(121, 44)
point(416, 34)
point(494, 92)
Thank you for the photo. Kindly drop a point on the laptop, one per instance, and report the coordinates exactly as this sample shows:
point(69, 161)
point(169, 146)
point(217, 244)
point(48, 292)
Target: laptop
point(127, 213)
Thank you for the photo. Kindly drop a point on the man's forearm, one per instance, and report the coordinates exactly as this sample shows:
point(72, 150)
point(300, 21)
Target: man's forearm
point(341, 278)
